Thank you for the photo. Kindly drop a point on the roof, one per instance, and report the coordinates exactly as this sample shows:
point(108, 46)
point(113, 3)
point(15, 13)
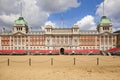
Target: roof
point(114, 50)
point(104, 20)
point(117, 31)
point(75, 26)
point(88, 30)
point(20, 21)
point(84, 51)
point(36, 33)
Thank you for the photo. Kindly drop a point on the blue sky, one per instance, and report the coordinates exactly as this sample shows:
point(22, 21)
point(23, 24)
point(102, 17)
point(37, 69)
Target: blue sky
point(71, 16)
point(85, 13)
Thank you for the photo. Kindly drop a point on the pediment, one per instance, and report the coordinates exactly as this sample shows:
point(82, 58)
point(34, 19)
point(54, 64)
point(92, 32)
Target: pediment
point(19, 33)
point(106, 33)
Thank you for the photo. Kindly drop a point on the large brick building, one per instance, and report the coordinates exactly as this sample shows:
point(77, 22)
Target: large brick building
point(118, 38)
point(23, 38)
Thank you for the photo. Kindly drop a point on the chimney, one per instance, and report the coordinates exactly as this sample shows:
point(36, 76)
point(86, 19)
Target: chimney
point(3, 29)
point(40, 28)
point(30, 29)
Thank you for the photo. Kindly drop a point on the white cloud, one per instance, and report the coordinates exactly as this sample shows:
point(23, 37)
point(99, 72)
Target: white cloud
point(111, 10)
point(57, 5)
point(8, 19)
point(87, 23)
point(50, 23)
point(35, 12)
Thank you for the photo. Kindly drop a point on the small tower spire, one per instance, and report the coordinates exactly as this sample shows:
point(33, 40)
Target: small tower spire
point(21, 8)
point(62, 22)
point(103, 7)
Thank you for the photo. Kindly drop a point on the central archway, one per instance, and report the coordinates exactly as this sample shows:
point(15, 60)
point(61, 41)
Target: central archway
point(61, 50)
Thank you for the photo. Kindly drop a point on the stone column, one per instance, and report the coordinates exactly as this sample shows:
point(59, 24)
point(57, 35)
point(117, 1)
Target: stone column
point(64, 41)
point(0, 43)
point(68, 41)
point(50, 38)
point(96, 41)
point(13, 42)
point(28, 42)
point(84, 38)
point(25, 42)
point(108, 42)
point(104, 43)
point(112, 40)
point(60, 40)
point(17, 40)
point(54, 43)
point(100, 42)
point(77, 42)
point(21, 40)
point(115, 40)
point(10, 43)
point(56, 40)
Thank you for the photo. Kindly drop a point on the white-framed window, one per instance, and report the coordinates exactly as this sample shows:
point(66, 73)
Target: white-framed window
point(2, 48)
point(15, 48)
point(11, 48)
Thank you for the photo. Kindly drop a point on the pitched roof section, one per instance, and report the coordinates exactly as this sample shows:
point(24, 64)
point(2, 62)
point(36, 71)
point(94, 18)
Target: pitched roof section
point(20, 21)
point(118, 31)
point(104, 20)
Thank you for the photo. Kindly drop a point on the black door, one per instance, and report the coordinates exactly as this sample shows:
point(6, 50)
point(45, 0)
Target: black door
point(62, 51)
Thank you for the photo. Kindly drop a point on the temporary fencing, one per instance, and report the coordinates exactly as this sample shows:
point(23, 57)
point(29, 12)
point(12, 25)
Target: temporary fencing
point(110, 61)
point(3, 61)
point(82, 60)
point(92, 61)
point(65, 62)
point(58, 60)
point(72, 61)
point(19, 61)
point(43, 61)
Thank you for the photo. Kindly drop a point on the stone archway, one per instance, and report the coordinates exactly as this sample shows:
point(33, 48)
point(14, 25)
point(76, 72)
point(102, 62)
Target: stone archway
point(61, 50)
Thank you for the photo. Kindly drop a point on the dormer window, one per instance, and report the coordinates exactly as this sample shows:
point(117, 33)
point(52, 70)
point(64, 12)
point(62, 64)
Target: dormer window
point(105, 28)
point(75, 40)
point(75, 30)
point(19, 28)
point(48, 30)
